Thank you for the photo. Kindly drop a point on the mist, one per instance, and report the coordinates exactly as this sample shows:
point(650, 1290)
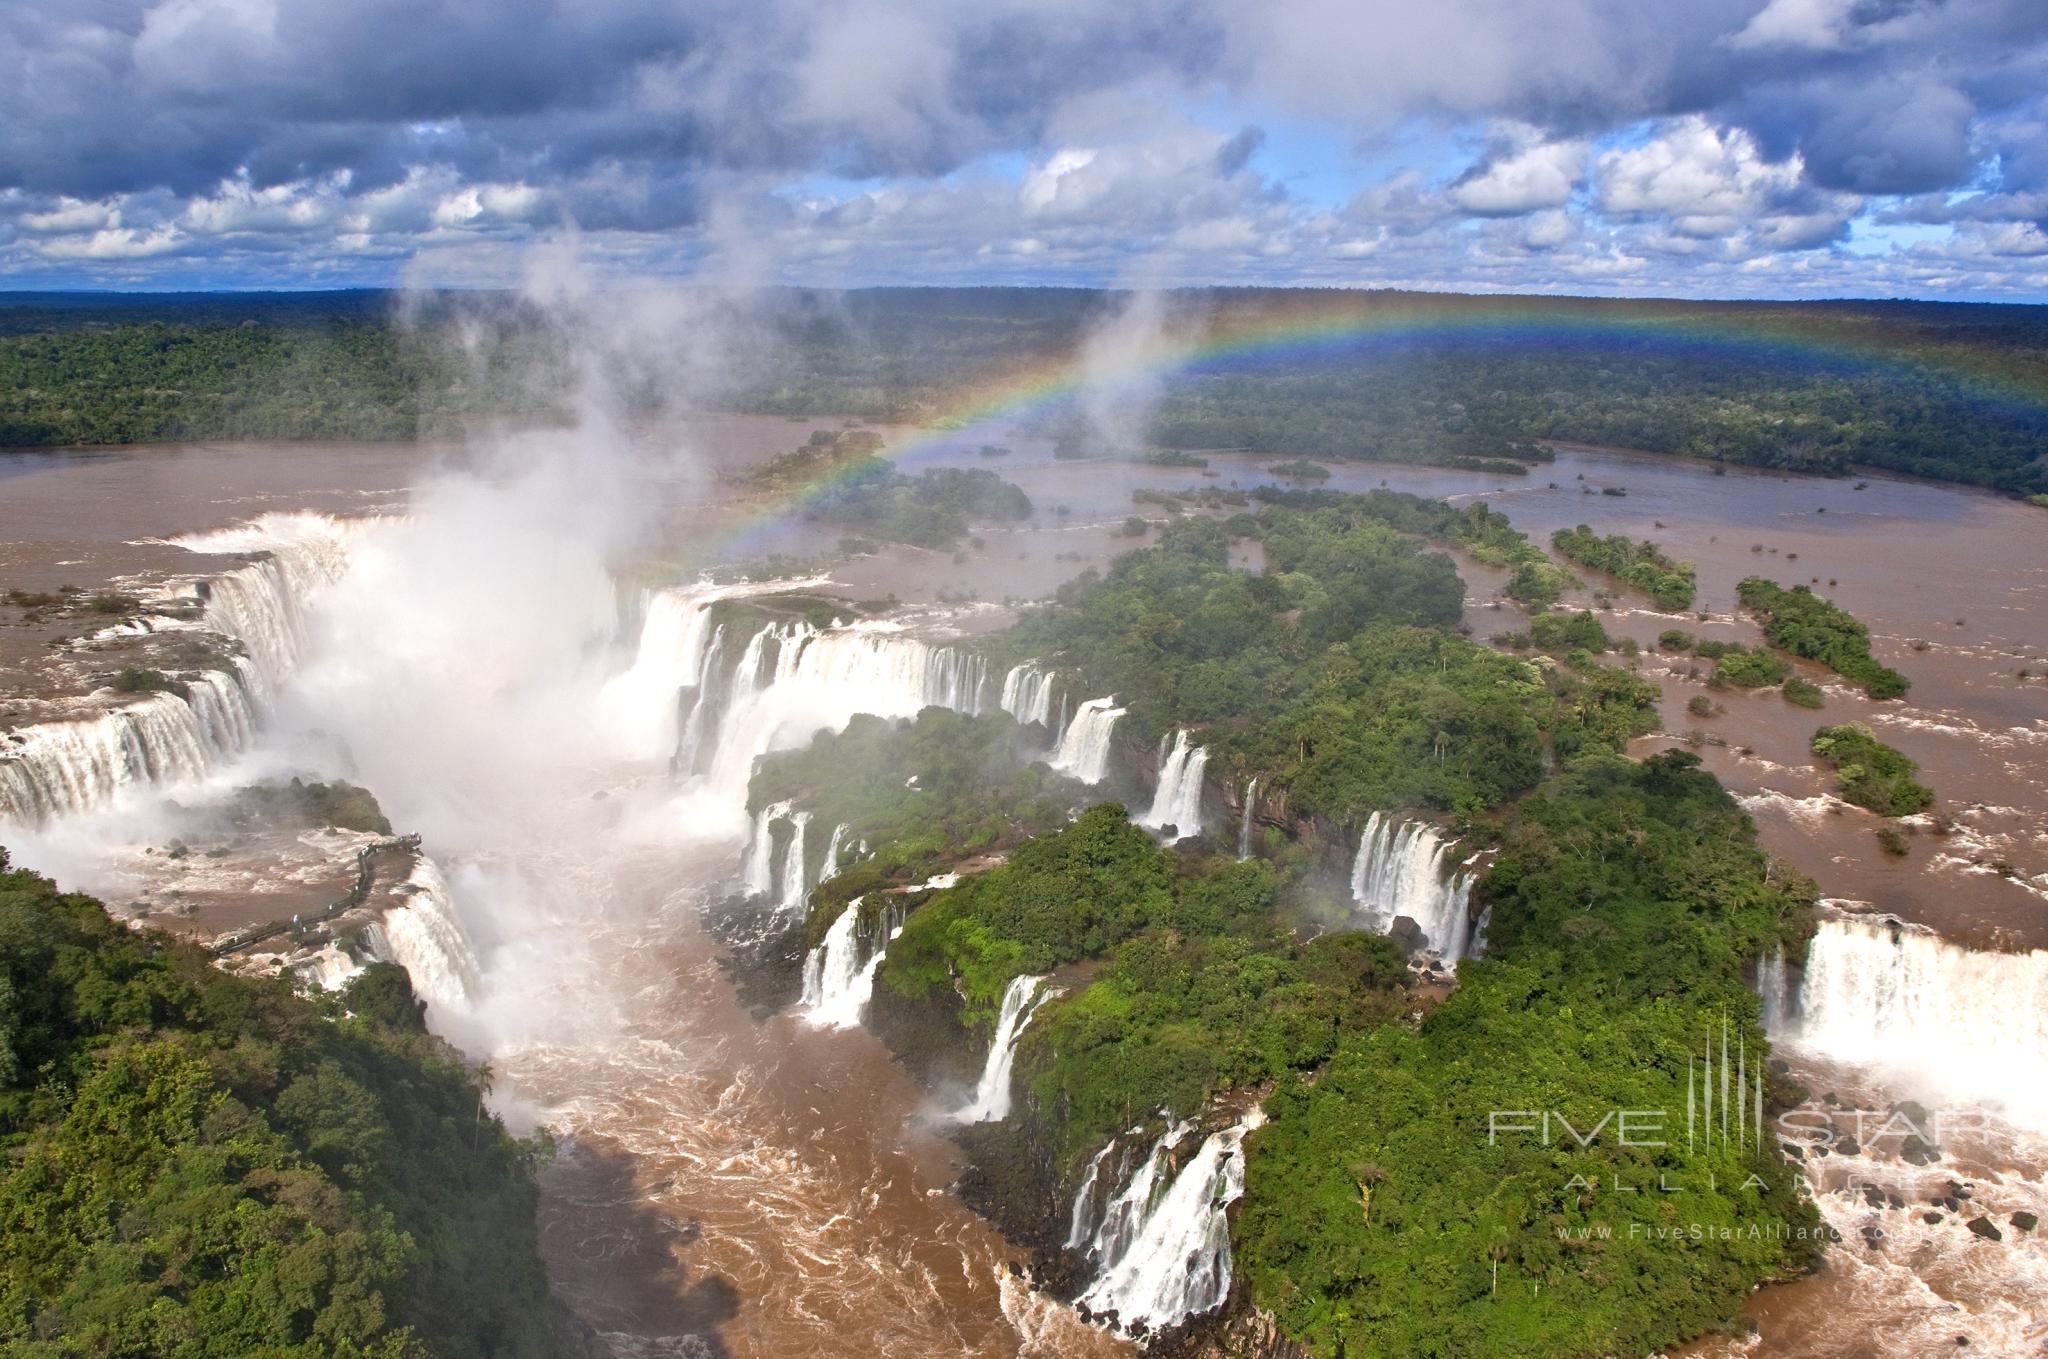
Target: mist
point(1121, 357)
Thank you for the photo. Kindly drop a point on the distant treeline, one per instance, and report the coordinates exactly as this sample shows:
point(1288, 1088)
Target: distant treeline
point(1941, 390)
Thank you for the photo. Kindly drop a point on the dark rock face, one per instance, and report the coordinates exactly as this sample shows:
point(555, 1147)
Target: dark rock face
point(925, 1034)
point(1237, 1331)
point(2026, 1222)
point(763, 955)
point(1983, 1227)
point(1012, 1181)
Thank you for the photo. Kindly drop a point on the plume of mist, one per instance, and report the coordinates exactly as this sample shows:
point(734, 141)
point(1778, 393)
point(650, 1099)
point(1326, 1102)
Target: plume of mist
point(456, 668)
point(1121, 357)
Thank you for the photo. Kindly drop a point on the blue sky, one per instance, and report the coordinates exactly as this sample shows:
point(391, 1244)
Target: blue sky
point(1691, 147)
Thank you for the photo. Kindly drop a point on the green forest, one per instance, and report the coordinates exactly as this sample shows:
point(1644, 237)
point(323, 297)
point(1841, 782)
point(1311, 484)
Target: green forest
point(1922, 388)
point(198, 1164)
point(1870, 773)
point(1381, 1218)
point(1642, 564)
point(1801, 622)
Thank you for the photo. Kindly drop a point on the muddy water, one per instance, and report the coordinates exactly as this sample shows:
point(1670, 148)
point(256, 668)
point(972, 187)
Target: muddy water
point(1952, 582)
point(1908, 1278)
point(769, 1189)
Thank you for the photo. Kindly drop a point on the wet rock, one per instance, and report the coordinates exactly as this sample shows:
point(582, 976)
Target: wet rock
point(1873, 1196)
point(1957, 1189)
point(1848, 1147)
point(2026, 1222)
point(1917, 1152)
point(1895, 1200)
point(1983, 1227)
point(1931, 1219)
point(1873, 1237)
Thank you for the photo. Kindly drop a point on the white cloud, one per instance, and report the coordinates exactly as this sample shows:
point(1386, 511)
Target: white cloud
point(1796, 23)
point(1712, 185)
point(1524, 174)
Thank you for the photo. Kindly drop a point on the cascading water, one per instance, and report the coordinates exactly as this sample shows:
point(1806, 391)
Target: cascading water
point(834, 846)
point(1027, 694)
point(794, 680)
point(1124, 1215)
point(61, 768)
point(1081, 1218)
point(65, 767)
point(696, 706)
point(1774, 986)
point(263, 605)
point(796, 888)
point(839, 974)
point(991, 1102)
point(1165, 1256)
point(757, 873)
point(1959, 1024)
point(1084, 748)
point(640, 703)
point(1178, 800)
point(1400, 872)
point(426, 938)
point(1244, 827)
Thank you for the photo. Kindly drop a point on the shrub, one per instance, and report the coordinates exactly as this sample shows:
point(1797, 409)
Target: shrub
point(1565, 631)
point(1871, 773)
point(1802, 693)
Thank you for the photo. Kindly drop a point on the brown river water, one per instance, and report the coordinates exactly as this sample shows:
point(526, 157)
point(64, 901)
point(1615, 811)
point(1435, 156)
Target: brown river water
point(726, 1186)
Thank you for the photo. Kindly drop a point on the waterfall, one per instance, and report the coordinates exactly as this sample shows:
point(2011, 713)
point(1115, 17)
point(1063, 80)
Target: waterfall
point(1774, 985)
point(1400, 872)
point(1083, 751)
point(1960, 1024)
point(839, 974)
point(1124, 1215)
point(1081, 1220)
point(1244, 827)
point(328, 969)
point(757, 874)
point(641, 706)
point(830, 866)
point(796, 888)
point(1027, 694)
point(991, 1102)
point(58, 768)
point(263, 605)
point(68, 766)
point(426, 939)
point(1178, 799)
point(1164, 1257)
point(794, 680)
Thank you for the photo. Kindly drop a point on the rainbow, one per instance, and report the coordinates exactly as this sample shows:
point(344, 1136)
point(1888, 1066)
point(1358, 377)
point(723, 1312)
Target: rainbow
point(1217, 331)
